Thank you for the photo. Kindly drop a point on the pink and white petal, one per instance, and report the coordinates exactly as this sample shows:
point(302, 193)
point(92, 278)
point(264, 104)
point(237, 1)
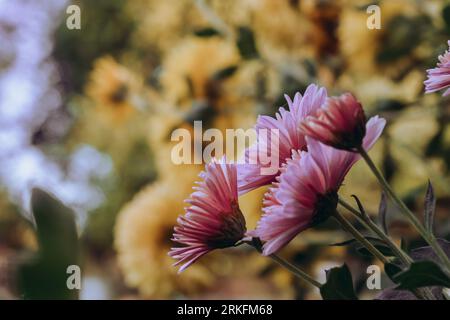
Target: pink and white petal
point(374, 128)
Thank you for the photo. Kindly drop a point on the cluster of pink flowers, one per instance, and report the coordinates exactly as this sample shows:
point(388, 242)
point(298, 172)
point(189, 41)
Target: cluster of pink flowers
point(318, 139)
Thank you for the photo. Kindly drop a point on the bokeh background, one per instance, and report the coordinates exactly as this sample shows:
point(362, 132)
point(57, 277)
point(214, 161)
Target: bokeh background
point(86, 115)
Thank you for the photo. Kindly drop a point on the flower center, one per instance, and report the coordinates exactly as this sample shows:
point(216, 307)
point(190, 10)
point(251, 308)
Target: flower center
point(233, 229)
point(351, 139)
point(325, 207)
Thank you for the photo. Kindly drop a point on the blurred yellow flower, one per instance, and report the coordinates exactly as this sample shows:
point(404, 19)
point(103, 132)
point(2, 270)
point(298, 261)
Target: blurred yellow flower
point(191, 69)
point(201, 81)
point(113, 89)
point(360, 46)
point(142, 239)
point(281, 29)
point(161, 24)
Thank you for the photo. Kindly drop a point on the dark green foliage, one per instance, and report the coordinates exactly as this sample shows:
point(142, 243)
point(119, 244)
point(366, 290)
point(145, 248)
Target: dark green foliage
point(44, 276)
point(339, 285)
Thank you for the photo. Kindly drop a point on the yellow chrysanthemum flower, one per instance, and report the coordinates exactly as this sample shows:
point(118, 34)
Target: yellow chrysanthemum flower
point(142, 239)
point(113, 88)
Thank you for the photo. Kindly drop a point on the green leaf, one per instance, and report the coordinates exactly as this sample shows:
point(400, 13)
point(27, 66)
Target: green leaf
point(392, 270)
point(421, 274)
point(427, 253)
point(339, 285)
point(362, 211)
point(246, 43)
point(382, 211)
point(430, 208)
point(45, 275)
point(378, 243)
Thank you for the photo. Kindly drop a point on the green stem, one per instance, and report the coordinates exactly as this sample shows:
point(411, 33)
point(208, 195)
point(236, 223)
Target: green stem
point(422, 293)
point(359, 237)
point(370, 225)
point(296, 271)
point(428, 237)
point(285, 264)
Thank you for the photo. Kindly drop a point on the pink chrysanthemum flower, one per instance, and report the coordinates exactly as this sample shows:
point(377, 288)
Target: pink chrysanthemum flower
point(286, 122)
point(439, 77)
point(341, 123)
point(213, 220)
point(305, 193)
